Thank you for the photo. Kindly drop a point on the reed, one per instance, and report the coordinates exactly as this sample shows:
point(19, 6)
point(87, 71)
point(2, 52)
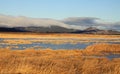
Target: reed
point(50, 61)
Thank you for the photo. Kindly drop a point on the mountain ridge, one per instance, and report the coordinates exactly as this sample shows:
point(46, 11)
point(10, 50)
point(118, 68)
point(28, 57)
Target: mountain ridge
point(58, 29)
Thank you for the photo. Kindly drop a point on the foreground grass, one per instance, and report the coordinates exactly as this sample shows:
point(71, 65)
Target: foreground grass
point(50, 61)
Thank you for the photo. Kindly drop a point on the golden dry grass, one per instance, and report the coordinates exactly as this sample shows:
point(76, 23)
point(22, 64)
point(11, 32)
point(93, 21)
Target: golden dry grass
point(56, 40)
point(104, 47)
point(17, 41)
point(26, 38)
point(50, 61)
point(52, 35)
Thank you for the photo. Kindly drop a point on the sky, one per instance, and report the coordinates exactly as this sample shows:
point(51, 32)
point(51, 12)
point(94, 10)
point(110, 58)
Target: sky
point(108, 10)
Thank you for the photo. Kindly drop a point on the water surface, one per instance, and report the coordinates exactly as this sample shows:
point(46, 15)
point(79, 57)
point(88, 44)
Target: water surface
point(63, 43)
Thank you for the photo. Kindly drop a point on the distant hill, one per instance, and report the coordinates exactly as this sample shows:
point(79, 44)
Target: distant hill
point(6, 29)
point(57, 29)
point(93, 30)
point(51, 29)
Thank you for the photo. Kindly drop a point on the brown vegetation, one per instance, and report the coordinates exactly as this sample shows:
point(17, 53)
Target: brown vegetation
point(17, 41)
point(50, 61)
point(104, 48)
point(52, 35)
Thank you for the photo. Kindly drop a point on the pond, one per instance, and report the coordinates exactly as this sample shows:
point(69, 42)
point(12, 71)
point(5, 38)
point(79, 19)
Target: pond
point(43, 43)
point(109, 56)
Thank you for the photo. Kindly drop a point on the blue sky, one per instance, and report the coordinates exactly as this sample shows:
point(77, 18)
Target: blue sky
point(58, 9)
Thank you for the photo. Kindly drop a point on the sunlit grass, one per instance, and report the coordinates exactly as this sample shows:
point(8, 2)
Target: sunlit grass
point(52, 35)
point(50, 61)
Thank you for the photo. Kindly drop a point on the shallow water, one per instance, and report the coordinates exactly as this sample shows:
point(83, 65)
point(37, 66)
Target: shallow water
point(54, 43)
point(46, 45)
point(56, 46)
point(39, 43)
point(110, 56)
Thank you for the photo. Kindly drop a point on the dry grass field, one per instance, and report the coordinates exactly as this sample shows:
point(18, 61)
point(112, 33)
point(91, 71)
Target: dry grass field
point(50, 61)
point(62, 61)
point(52, 35)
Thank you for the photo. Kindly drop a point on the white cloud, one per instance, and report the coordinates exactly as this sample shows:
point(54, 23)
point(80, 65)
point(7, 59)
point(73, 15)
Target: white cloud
point(91, 21)
point(72, 22)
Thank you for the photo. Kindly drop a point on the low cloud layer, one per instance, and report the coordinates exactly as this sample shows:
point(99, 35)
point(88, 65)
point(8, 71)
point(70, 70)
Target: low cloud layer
point(72, 22)
point(92, 22)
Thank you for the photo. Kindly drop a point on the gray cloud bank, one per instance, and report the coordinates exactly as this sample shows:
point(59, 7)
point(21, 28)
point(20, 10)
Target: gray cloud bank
point(71, 23)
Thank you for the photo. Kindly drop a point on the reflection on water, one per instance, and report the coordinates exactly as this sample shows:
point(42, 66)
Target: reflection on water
point(56, 46)
point(53, 43)
point(112, 56)
point(46, 45)
point(109, 56)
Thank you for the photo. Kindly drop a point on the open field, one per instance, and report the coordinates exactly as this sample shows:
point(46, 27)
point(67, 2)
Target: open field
point(100, 58)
